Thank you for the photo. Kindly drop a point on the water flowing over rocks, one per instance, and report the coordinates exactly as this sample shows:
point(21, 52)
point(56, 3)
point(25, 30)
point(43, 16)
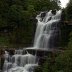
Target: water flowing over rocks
point(46, 39)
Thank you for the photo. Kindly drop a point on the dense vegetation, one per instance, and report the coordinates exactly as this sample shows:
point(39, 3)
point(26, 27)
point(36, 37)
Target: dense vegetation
point(17, 20)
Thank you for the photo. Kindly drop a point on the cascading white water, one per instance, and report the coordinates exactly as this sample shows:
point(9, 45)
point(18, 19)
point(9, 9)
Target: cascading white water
point(47, 30)
point(20, 63)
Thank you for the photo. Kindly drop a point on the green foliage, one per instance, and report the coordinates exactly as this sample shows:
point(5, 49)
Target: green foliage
point(61, 63)
point(4, 41)
point(69, 10)
point(70, 41)
point(20, 14)
point(64, 61)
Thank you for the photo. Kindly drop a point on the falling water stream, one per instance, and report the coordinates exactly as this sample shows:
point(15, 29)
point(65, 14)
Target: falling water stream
point(45, 38)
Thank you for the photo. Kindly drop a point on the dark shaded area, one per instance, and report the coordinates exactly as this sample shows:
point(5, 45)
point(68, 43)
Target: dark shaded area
point(18, 23)
point(66, 28)
point(6, 29)
point(2, 59)
point(54, 41)
point(54, 11)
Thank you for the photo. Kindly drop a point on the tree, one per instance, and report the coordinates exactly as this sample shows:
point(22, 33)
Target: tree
point(69, 10)
point(20, 14)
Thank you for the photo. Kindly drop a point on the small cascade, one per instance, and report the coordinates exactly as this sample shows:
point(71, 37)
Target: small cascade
point(19, 51)
point(7, 62)
point(45, 38)
point(20, 63)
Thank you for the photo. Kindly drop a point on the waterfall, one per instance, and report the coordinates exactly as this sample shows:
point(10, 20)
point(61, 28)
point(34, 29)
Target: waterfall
point(20, 63)
point(45, 38)
point(47, 29)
